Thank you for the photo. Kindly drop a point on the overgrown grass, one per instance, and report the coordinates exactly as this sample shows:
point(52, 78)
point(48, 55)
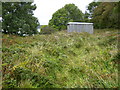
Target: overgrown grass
point(61, 60)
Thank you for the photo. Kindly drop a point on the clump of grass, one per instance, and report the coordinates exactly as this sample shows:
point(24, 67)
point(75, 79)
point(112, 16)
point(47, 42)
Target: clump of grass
point(62, 60)
point(25, 84)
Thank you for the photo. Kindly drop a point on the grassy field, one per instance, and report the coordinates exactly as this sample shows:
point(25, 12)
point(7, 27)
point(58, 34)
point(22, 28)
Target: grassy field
point(61, 60)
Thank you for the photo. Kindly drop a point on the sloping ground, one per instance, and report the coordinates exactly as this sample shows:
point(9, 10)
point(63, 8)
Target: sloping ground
point(61, 60)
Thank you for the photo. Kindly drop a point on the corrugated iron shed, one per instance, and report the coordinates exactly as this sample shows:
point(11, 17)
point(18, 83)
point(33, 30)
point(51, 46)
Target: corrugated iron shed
point(80, 27)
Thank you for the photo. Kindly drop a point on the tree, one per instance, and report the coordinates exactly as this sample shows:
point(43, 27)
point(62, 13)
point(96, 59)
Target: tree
point(86, 17)
point(0, 9)
point(91, 7)
point(0, 15)
point(73, 12)
point(18, 18)
point(60, 18)
point(115, 13)
point(106, 15)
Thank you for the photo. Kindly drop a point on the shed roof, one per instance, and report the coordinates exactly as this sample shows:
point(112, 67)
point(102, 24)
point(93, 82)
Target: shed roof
point(78, 23)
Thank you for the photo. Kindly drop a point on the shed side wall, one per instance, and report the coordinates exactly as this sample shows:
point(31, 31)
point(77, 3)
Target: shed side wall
point(80, 28)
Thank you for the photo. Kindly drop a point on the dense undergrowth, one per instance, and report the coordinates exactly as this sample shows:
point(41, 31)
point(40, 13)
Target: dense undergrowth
point(61, 60)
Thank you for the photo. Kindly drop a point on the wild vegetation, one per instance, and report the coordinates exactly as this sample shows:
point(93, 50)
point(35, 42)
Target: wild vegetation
point(61, 60)
point(46, 29)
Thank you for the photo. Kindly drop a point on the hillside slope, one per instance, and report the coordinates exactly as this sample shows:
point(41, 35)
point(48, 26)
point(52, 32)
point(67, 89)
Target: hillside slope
point(61, 60)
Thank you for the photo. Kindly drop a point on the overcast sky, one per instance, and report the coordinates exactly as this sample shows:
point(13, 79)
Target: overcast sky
point(45, 8)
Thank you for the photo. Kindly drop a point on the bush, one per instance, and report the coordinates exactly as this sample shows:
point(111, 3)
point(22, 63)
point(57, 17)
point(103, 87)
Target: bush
point(47, 30)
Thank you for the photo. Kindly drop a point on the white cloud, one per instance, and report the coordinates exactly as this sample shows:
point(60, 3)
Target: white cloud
point(45, 8)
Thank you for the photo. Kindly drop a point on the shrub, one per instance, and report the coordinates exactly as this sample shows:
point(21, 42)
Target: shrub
point(47, 30)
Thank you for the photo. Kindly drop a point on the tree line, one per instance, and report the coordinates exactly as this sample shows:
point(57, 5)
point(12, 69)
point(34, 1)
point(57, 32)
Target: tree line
point(17, 17)
point(105, 14)
point(102, 14)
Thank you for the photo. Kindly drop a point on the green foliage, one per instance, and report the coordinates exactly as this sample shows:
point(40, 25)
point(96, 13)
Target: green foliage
point(106, 15)
point(61, 60)
point(74, 13)
point(0, 15)
point(86, 17)
point(103, 14)
point(0, 9)
point(91, 7)
point(10, 83)
point(60, 18)
point(18, 18)
point(45, 29)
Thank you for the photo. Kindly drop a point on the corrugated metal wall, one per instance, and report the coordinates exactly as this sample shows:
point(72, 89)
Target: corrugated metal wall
point(80, 28)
